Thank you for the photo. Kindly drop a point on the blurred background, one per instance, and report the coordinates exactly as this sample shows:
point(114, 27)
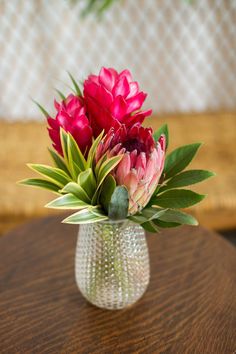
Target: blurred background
point(183, 53)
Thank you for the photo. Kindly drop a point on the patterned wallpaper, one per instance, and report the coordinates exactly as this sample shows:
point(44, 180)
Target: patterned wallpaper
point(183, 53)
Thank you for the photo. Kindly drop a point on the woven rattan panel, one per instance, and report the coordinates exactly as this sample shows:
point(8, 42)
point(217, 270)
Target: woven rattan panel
point(27, 143)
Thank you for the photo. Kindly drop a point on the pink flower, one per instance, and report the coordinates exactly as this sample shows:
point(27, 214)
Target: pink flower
point(141, 167)
point(113, 99)
point(71, 116)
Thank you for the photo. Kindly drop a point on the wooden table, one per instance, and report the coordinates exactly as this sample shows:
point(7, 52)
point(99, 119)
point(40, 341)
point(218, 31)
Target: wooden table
point(189, 307)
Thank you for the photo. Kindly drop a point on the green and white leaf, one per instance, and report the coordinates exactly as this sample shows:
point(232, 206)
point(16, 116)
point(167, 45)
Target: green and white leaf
point(177, 198)
point(85, 216)
point(63, 139)
point(58, 160)
point(76, 160)
point(55, 175)
point(75, 189)
point(107, 167)
point(93, 149)
point(40, 183)
point(87, 181)
point(179, 159)
point(68, 201)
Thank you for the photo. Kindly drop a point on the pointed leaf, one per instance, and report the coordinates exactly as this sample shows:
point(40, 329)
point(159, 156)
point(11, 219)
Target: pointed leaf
point(152, 213)
point(165, 225)
point(177, 216)
point(178, 159)
point(162, 130)
point(187, 178)
point(107, 167)
point(76, 86)
point(76, 160)
point(62, 96)
point(177, 198)
point(118, 206)
point(93, 149)
point(76, 190)
point(40, 183)
point(67, 201)
point(43, 110)
point(59, 161)
point(63, 139)
point(87, 181)
point(55, 175)
point(150, 227)
point(86, 216)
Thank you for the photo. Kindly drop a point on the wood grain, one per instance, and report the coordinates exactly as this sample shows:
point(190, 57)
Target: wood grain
point(189, 307)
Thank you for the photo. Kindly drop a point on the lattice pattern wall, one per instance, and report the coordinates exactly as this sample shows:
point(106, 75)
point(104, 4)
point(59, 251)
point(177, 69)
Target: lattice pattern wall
point(183, 54)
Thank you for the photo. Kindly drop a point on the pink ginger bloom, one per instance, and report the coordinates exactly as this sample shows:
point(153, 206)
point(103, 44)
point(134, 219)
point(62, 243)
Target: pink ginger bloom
point(113, 99)
point(141, 167)
point(71, 116)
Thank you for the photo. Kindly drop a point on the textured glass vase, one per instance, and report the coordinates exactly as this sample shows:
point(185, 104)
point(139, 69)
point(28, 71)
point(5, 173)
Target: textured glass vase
point(112, 263)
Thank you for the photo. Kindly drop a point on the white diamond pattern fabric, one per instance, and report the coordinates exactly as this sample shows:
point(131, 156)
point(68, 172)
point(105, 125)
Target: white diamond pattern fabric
point(182, 52)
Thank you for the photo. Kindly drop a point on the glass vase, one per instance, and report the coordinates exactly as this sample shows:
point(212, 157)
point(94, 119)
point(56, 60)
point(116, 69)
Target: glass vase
point(112, 263)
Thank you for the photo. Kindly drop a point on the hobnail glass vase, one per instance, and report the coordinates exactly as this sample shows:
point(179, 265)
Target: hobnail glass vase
point(112, 263)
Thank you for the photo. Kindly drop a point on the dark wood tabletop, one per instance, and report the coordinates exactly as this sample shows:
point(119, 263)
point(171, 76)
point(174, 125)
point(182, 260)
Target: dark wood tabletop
point(189, 307)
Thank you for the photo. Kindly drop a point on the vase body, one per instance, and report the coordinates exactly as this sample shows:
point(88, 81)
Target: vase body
point(112, 263)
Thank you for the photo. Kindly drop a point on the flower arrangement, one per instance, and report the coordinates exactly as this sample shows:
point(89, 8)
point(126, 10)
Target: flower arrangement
point(108, 165)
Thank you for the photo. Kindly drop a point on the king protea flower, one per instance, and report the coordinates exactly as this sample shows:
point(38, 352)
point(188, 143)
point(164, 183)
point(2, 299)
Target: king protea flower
point(113, 99)
point(72, 118)
point(142, 164)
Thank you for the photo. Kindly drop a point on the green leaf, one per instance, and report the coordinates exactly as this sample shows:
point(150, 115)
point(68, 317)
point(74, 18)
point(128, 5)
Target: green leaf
point(107, 167)
point(152, 213)
point(87, 181)
point(150, 226)
point(176, 216)
point(76, 160)
point(118, 206)
point(43, 110)
point(162, 130)
point(86, 216)
point(177, 198)
point(41, 183)
point(67, 201)
point(107, 190)
point(62, 96)
point(55, 175)
point(76, 190)
point(58, 161)
point(93, 149)
point(165, 225)
point(187, 178)
point(180, 158)
point(76, 86)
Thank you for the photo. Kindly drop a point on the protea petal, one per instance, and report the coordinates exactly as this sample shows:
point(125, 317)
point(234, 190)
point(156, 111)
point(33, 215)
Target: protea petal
point(142, 164)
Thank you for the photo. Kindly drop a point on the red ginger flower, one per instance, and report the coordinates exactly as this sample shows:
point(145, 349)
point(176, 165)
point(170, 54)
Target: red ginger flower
point(113, 99)
point(72, 118)
point(141, 167)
